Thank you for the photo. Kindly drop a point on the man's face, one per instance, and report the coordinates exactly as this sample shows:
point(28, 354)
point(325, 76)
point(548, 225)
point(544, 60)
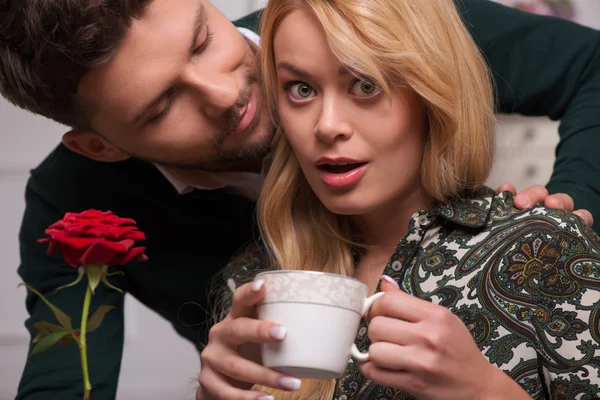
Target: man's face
point(181, 90)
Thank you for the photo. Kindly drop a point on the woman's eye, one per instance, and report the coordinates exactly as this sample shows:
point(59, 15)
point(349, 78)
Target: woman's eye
point(364, 88)
point(300, 91)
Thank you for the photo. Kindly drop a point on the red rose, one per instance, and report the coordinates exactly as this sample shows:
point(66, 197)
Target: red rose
point(95, 238)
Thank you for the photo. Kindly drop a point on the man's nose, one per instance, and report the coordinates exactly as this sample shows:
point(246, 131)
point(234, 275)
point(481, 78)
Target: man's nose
point(217, 92)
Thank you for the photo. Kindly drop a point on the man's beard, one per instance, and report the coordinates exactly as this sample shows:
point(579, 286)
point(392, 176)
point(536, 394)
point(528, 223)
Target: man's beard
point(248, 152)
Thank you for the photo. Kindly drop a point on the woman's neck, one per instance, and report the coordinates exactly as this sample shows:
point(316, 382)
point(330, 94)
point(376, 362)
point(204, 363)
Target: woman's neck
point(382, 229)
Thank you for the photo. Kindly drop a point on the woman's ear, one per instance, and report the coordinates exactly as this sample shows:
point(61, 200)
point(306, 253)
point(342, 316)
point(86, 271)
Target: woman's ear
point(94, 146)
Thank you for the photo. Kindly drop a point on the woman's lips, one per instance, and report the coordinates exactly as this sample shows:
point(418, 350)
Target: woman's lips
point(341, 173)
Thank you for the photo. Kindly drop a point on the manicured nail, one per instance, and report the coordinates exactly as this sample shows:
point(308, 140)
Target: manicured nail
point(278, 332)
point(257, 285)
point(266, 398)
point(390, 280)
point(289, 383)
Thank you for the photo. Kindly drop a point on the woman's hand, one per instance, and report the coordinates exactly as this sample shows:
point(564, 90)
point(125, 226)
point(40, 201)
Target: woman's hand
point(225, 374)
point(426, 350)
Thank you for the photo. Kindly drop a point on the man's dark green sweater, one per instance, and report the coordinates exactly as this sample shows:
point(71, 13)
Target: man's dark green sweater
point(541, 66)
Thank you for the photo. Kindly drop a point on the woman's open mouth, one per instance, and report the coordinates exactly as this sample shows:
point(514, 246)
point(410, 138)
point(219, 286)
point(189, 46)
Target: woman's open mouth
point(340, 173)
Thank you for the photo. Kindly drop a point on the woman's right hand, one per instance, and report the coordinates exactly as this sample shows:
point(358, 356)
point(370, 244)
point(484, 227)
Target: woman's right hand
point(224, 373)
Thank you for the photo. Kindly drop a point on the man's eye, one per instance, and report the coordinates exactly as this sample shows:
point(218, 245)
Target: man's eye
point(299, 90)
point(163, 113)
point(205, 43)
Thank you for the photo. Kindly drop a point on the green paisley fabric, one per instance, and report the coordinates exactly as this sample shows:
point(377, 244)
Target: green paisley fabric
point(525, 283)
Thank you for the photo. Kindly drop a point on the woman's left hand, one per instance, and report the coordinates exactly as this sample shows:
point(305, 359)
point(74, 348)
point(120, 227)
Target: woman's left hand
point(424, 349)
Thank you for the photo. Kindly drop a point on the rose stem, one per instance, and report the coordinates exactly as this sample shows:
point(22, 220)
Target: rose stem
point(87, 386)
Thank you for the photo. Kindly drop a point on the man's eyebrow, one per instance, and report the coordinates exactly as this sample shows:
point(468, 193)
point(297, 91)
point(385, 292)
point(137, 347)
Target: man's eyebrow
point(199, 23)
point(300, 72)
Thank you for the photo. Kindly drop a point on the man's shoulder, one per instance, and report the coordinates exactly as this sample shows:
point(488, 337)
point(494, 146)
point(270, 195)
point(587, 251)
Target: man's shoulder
point(71, 181)
point(250, 21)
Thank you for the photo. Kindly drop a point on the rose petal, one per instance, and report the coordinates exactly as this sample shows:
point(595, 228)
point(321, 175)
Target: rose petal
point(126, 221)
point(112, 232)
point(75, 242)
point(84, 242)
point(136, 253)
point(71, 254)
point(127, 244)
point(101, 252)
point(52, 248)
point(137, 235)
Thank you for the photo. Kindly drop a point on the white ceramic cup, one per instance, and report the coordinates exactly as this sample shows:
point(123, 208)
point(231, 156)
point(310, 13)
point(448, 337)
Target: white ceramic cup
point(322, 313)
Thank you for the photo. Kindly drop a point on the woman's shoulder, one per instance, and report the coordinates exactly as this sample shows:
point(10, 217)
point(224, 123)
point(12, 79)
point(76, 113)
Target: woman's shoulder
point(527, 249)
point(546, 253)
point(561, 223)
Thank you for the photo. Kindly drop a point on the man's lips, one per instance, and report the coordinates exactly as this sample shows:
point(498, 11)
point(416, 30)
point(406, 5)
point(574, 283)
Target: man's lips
point(247, 114)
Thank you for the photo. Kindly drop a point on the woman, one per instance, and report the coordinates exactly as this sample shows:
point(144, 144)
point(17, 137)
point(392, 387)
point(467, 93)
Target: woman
point(386, 135)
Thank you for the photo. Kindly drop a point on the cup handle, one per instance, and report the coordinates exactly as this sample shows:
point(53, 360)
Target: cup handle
point(354, 352)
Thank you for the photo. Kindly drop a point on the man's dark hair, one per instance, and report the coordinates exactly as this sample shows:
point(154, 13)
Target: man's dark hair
point(46, 46)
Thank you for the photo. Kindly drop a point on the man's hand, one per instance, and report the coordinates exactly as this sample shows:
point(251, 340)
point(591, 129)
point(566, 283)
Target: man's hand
point(538, 194)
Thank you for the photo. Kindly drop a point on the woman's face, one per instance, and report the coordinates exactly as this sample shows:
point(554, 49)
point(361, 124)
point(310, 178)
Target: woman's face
point(359, 149)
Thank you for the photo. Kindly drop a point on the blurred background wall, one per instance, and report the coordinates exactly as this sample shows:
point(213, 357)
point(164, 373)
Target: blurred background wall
point(158, 365)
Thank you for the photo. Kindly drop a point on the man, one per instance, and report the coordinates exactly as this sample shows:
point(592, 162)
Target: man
point(169, 128)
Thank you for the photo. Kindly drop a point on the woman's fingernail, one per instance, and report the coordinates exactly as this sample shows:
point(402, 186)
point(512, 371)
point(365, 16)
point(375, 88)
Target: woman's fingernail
point(289, 383)
point(257, 285)
point(278, 332)
point(391, 280)
point(266, 398)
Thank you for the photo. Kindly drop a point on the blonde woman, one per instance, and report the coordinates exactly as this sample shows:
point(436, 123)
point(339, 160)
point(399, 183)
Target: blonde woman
point(386, 133)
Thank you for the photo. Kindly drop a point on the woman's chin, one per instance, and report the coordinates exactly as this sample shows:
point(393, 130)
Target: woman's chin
point(341, 207)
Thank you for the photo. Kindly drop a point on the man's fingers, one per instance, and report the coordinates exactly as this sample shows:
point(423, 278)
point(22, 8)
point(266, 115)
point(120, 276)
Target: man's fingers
point(560, 200)
point(507, 187)
point(247, 330)
point(586, 216)
point(530, 196)
point(245, 299)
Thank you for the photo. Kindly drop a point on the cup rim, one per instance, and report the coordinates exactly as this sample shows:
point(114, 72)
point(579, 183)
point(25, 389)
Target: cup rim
point(301, 271)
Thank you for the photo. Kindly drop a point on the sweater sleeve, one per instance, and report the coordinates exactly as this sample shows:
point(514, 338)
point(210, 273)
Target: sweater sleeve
point(546, 66)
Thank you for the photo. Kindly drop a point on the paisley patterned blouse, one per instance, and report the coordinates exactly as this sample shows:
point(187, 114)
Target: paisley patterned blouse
point(526, 284)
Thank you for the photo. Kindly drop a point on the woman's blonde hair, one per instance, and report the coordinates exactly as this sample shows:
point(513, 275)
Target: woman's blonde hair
point(422, 44)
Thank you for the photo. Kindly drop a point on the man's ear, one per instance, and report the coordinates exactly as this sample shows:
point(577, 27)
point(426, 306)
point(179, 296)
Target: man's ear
point(93, 146)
